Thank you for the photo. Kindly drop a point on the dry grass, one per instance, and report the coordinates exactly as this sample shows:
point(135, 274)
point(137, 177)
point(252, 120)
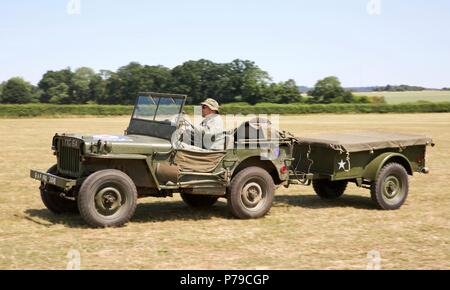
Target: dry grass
point(301, 232)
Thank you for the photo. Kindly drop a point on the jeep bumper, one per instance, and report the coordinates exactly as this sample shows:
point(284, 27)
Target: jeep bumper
point(57, 181)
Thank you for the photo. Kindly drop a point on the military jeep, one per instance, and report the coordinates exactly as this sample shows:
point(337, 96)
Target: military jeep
point(102, 176)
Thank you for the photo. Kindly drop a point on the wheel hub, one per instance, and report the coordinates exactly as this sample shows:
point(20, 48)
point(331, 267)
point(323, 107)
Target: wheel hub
point(108, 200)
point(252, 194)
point(392, 187)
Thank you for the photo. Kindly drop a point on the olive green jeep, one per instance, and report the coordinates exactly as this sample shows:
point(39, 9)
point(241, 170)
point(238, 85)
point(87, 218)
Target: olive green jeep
point(102, 176)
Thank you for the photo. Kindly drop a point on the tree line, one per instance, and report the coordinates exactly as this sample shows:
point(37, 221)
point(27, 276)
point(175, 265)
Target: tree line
point(237, 81)
point(401, 88)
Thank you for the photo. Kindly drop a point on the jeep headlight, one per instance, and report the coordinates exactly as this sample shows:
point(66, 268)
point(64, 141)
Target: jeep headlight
point(104, 147)
point(101, 147)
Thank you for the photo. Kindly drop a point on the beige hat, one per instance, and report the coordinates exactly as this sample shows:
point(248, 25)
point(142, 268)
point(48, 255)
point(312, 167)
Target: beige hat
point(212, 104)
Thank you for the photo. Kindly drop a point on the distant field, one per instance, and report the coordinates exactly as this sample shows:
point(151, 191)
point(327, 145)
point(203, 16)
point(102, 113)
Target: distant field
point(410, 97)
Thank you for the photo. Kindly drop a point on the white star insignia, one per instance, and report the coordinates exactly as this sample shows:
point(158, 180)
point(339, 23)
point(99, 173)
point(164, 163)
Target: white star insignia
point(342, 165)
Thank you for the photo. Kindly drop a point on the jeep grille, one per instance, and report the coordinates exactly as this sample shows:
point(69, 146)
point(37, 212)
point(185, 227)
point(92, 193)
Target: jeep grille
point(69, 154)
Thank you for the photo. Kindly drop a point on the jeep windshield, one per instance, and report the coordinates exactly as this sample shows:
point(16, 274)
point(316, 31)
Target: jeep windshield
point(159, 109)
point(156, 115)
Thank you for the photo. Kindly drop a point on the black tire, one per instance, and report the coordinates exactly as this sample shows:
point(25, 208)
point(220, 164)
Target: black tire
point(390, 190)
point(107, 198)
point(251, 193)
point(199, 201)
point(52, 199)
point(327, 189)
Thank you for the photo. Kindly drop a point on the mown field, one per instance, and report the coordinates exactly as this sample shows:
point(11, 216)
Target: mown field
point(411, 97)
point(301, 231)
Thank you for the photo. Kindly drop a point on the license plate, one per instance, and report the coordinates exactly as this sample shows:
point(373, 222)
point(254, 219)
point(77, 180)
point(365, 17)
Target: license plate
point(44, 177)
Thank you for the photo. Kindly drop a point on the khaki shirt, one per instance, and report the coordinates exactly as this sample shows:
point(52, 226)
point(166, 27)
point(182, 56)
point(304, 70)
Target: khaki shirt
point(212, 128)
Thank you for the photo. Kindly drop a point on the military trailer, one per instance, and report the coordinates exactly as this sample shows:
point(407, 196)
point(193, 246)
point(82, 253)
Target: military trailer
point(101, 177)
point(377, 161)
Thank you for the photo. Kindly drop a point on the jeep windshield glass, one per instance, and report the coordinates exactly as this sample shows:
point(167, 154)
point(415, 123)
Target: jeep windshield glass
point(160, 109)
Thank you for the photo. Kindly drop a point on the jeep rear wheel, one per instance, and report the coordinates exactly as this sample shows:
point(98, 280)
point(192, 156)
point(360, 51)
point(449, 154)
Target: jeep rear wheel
point(107, 198)
point(251, 193)
point(327, 189)
point(54, 201)
point(390, 190)
point(199, 201)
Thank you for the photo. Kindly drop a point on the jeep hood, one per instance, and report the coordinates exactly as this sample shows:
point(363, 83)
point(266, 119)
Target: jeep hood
point(129, 144)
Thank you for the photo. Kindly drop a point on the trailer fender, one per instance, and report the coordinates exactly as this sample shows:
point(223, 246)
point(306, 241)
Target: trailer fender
point(373, 168)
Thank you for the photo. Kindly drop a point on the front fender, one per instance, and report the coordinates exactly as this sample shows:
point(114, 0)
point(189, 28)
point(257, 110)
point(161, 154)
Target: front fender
point(371, 171)
point(138, 167)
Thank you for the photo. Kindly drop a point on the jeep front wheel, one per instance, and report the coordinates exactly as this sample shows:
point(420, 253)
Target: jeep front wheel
point(251, 193)
point(107, 198)
point(53, 200)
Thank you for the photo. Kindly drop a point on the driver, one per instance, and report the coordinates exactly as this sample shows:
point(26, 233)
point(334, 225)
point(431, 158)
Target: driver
point(211, 128)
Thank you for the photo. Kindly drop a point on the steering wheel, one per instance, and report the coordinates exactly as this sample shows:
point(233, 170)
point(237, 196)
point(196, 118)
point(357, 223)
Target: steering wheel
point(184, 126)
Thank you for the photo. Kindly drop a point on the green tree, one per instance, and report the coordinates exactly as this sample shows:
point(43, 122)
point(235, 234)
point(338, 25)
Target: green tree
point(82, 85)
point(17, 91)
point(130, 80)
point(248, 80)
point(329, 90)
point(60, 94)
point(98, 87)
point(204, 79)
point(156, 79)
point(1, 91)
point(50, 85)
point(282, 93)
point(113, 90)
point(194, 79)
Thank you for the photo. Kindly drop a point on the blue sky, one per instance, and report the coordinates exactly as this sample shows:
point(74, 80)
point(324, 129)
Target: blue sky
point(407, 42)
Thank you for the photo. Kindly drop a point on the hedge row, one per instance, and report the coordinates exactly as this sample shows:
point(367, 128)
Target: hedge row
point(35, 110)
point(292, 109)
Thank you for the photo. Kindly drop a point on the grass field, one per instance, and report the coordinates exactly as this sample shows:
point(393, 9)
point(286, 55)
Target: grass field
point(410, 97)
point(301, 231)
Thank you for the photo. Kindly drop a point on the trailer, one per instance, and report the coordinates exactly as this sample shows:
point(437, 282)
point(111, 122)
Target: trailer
point(378, 161)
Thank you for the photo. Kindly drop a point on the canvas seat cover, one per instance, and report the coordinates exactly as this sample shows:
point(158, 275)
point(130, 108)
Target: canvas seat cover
point(198, 161)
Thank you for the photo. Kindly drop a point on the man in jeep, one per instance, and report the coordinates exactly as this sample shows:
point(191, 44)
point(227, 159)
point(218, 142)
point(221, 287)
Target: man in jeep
point(212, 127)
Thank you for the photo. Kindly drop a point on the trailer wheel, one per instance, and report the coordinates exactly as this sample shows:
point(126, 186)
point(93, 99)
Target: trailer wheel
point(390, 190)
point(107, 198)
point(251, 193)
point(52, 199)
point(199, 201)
point(328, 189)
